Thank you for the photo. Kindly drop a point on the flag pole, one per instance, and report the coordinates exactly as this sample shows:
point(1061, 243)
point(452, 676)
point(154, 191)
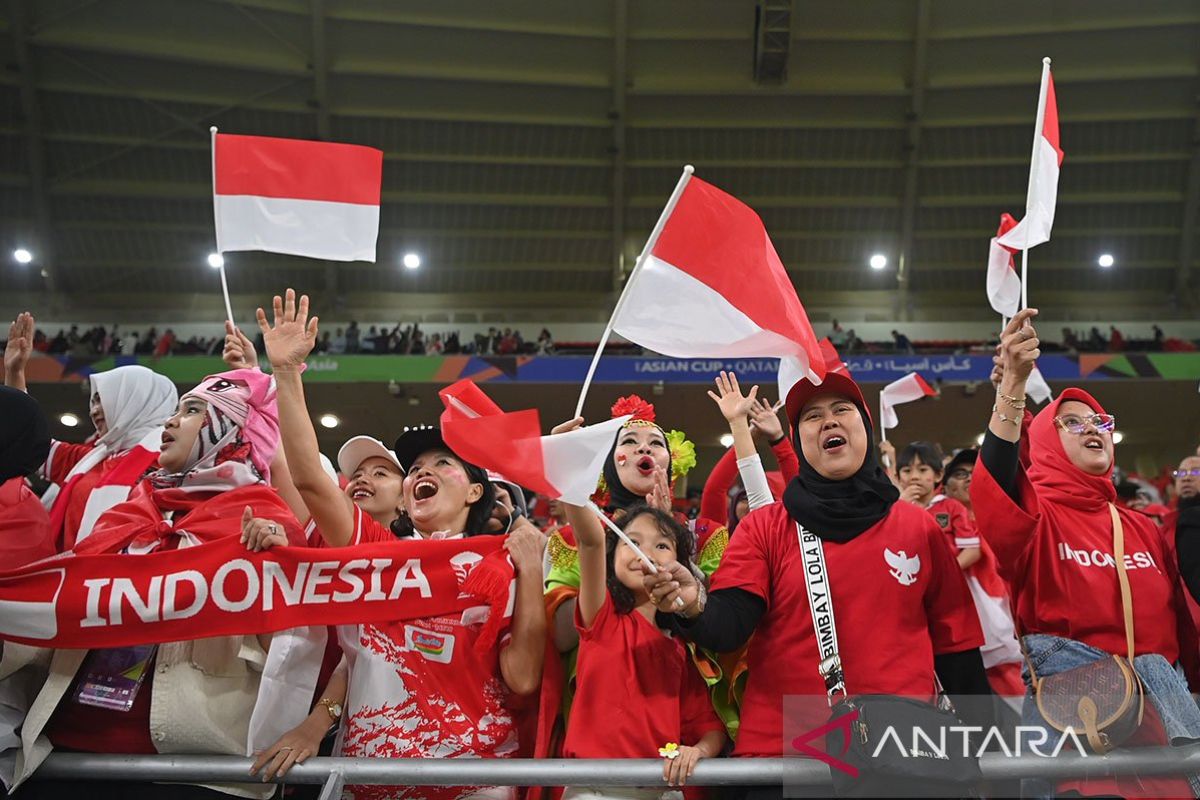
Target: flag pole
point(217, 225)
point(650, 242)
point(623, 536)
point(1037, 134)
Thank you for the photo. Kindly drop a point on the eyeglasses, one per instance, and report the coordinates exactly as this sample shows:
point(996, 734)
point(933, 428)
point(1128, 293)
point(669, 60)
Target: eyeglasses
point(959, 475)
point(1184, 473)
point(1073, 423)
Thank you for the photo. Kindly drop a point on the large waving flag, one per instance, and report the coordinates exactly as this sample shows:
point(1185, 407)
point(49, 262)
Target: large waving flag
point(1043, 173)
point(316, 199)
point(909, 388)
point(564, 466)
point(711, 285)
point(1003, 282)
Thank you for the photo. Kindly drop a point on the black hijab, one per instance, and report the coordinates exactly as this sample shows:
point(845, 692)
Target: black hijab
point(837, 511)
point(24, 437)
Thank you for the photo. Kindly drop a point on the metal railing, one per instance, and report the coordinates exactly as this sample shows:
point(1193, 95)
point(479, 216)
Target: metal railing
point(336, 772)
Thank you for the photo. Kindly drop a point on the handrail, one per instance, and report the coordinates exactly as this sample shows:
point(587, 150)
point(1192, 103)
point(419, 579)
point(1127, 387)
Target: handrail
point(587, 772)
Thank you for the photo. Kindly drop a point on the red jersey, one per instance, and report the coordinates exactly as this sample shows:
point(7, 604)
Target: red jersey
point(955, 521)
point(25, 534)
point(636, 690)
point(898, 598)
point(420, 689)
point(1052, 561)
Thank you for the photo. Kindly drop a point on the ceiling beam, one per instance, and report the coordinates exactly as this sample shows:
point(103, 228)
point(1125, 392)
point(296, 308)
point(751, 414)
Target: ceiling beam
point(912, 152)
point(34, 144)
point(320, 68)
point(617, 114)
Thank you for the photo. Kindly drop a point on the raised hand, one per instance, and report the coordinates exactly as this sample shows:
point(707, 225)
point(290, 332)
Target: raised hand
point(261, 534)
point(764, 419)
point(1019, 348)
point(672, 589)
point(20, 343)
point(660, 495)
point(293, 335)
point(239, 352)
point(729, 398)
point(568, 426)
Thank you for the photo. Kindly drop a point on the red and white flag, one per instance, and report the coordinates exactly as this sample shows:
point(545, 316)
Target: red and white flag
point(1003, 281)
point(910, 387)
point(1037, 388)
point(1043, 173)
point(712, 286)
point(315, 199)
point(564, 466)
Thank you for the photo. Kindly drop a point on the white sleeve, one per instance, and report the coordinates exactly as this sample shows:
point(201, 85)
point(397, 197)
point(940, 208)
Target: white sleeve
point(754, 479)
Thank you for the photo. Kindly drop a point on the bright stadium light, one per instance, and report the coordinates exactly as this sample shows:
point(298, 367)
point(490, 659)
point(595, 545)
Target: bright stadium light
point(878, 261)
point(726, 440)
point(411, 261)
point(1118, 437)
point(1106, 260)
point(979, 440)
point(70, 420)
point(216, 260)
point(329, 421)
point(22, 256)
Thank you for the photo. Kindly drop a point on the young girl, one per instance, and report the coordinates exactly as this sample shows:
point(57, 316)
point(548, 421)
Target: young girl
point(637, 690)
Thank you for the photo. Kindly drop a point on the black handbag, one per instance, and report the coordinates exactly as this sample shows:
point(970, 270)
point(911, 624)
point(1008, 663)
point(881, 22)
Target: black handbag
point(898, 746)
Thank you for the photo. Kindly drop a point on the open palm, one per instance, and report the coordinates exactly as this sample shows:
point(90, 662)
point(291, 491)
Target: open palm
point(20, 342)
point(292, 337)
point(729, 398)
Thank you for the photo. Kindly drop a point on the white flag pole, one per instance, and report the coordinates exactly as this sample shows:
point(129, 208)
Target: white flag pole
point(1037, 135)
point(217, 226)
point(650, 242)
point(883, 432)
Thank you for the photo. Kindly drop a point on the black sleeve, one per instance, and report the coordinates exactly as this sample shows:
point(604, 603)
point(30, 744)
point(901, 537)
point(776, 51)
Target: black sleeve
point(1001, 458)
point(1187, 543)
point(729, 617)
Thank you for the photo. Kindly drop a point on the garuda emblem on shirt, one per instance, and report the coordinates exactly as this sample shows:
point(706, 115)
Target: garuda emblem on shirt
point(903, 568)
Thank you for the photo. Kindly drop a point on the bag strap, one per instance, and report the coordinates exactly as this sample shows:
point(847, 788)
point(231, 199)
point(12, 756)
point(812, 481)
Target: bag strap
point(820, 604)
point(1122, 576)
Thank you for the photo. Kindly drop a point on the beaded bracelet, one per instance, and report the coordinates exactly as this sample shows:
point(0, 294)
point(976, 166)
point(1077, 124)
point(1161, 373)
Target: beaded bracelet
point(1015, 422)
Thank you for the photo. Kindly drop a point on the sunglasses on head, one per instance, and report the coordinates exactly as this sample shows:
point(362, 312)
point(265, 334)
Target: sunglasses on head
point(1184, 473)
point(1073, 423)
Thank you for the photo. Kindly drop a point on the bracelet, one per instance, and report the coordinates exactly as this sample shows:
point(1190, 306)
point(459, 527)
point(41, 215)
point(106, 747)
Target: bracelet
point(1012, 421)
point(1019, 405)
point(782, 438)
point(701, 600)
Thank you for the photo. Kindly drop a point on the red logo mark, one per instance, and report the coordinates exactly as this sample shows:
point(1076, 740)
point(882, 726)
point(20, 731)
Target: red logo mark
point(800, 743)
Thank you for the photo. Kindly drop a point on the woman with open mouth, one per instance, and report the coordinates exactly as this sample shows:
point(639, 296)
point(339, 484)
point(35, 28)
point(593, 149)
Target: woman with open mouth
point(215, 456)
point(1054, 525)
point(127, 406)
point(899, 598)
point(420, 689)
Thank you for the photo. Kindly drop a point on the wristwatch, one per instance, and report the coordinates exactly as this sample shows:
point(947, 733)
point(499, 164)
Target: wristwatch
point(334, 709)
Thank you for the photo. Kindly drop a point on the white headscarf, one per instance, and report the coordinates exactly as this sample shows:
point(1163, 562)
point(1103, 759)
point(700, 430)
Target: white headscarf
point(137, 402)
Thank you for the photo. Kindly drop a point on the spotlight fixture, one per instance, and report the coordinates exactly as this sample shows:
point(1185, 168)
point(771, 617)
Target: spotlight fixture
point(22, 256)
point(1105, 260)
point(68, 419)
point(726, 440)
point(411, 261)
point(216, 260)
point(329, 421)
point(878, 261)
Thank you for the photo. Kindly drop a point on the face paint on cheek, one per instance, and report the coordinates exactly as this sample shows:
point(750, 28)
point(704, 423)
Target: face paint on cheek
point(622, 459)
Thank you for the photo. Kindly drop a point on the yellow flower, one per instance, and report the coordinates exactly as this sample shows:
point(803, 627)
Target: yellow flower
point(683, 454)
point(670, 751)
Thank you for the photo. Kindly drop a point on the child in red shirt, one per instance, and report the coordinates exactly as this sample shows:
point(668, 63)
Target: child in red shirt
point(920, 474)
point(638, 693)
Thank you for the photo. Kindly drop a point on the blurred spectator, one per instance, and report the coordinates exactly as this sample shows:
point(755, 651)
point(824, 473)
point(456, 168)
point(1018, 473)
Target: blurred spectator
point(1069, 339)
point(545, 342)
point(1116, 342)
point(1158, 338)
point(352, 344)
point(1096, 339)
point(165, 343)
point(903, 345)
point(338, 345)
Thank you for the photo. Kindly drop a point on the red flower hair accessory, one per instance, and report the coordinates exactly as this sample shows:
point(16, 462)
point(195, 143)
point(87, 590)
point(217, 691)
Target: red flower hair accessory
point(641, 410)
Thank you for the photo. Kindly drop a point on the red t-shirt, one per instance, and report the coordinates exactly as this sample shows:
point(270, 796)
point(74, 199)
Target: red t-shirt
point(1063, 573)
point(366, 529)
point(636, 690)
point(898, 598)
point(62, 459)
point(25, 533)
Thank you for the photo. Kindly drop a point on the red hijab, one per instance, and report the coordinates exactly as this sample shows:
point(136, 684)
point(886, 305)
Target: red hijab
point(1054, 475)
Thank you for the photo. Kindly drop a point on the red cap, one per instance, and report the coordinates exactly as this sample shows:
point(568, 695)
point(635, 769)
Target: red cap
point(839, 383)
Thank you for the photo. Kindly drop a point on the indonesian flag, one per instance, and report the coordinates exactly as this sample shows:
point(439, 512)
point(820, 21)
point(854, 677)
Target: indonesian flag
point(315, 199)
point(910, 387)
point(833, 361)
point(1037, 388)
point(1043, 174)
point(1003, 282)
point(711, 286)
point(564, 466)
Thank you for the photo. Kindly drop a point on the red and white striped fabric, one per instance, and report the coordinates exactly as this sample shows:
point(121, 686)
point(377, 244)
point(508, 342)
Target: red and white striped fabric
point(1037, 388)
point(563, 466)
point(712, 286)
point(910, 387)
point(315, 199)
point(1043, 175)
point(1003, 281)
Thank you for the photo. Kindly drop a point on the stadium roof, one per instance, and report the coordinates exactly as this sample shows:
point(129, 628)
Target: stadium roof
point(530, 145)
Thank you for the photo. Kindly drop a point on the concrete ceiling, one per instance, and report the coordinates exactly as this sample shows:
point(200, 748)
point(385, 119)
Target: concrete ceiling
point(530, 145)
